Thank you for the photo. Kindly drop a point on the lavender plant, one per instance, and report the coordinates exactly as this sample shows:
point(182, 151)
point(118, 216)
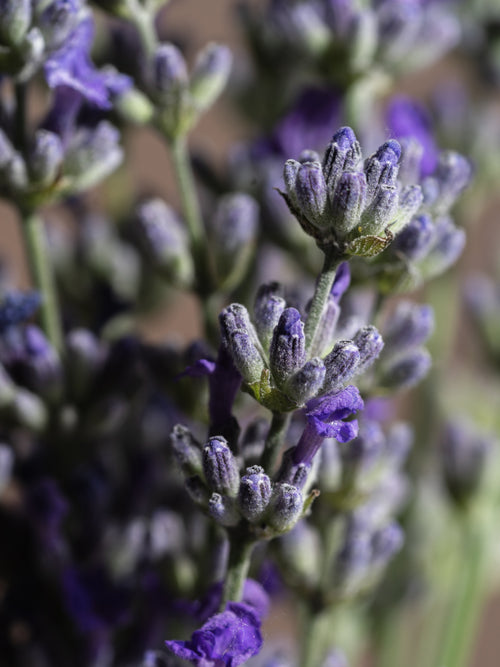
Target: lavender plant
point(147, 488)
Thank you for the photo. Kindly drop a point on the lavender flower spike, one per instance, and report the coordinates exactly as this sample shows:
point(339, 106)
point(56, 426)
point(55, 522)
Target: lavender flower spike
point(227, 639)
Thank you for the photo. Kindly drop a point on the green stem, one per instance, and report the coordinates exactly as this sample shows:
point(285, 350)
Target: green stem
point(313, 645)
point(465, 608)
point(274, 440)
point(240, 552)
point(320, 298)
point(192, 214)
point(43, 277)
point(144, 22)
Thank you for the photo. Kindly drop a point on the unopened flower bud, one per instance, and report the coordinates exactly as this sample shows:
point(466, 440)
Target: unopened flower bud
point(268, 307)
point(254, 493)
point(210, 74)
point(386, 542)
point(287, 352)
point(409, 326)
point(341, 364)
point(56, 20)
point(453, 174)
point(464, 458)
point(28, 410)
point(85, 355)
point(415, 239)
point(187, 450)
point(197, 490)
point(310, 192)
point(406, 370)
point(92, 155)
point(349, 201)
point(164, 240)
point(168, 71)
point(234, 230)
point(369, 343)
point(307, 381)
point(220, 467)
point(45, 157)
point(449, 242)
point(285, 507)
point(381, 168)
point(223, 510)
point(343, 154)
point(15, 19)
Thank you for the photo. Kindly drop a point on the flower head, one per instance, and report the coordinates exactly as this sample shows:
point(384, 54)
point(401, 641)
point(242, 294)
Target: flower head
point(226, 639)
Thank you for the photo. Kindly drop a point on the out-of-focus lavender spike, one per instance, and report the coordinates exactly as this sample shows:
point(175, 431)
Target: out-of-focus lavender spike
point(45, 157)
point(406, 370)
point(410, 325)
point(168, 71)
point(210, 74)
point(335, 658)
point(398, 443)
point(386, 542)
point(415, 240)
point(464, 457)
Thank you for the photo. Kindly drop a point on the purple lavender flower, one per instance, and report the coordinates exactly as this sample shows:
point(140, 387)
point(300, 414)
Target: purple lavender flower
point(325, 419)
point(70, 66)
point(227, 639)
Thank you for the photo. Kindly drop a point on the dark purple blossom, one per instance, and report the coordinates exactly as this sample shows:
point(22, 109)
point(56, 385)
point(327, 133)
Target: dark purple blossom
point(341, 282)
point(227, 639)
point(70, 66)
point(325, 419)
point(409, 120)
point(16, 307)
point(308, 124)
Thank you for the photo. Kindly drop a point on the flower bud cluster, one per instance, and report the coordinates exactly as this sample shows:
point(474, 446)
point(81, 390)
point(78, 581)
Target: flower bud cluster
point(214, 481)
point(39, 389)
point(363, 485)
point(356, 210)
point(180, 97)
point(482, 295)
point(465, 455)
point(405, 361)
point(345, 39)
point(52, 167)
point(270, 353)
point(431, 242)
point(56, 35)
